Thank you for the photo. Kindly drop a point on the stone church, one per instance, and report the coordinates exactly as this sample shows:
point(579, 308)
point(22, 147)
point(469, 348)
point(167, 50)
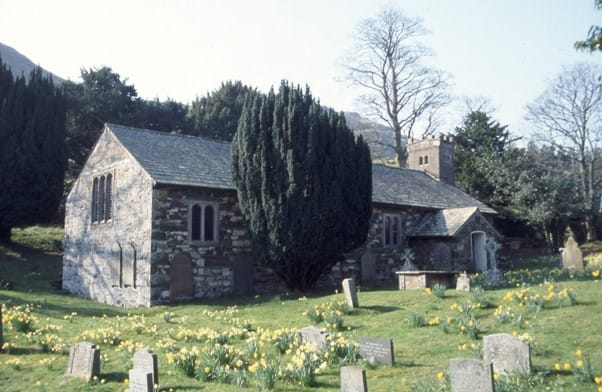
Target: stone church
point(153, 218)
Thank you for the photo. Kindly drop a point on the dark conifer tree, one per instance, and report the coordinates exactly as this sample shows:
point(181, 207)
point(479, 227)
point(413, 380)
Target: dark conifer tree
point(304, 183)
point(32, 151)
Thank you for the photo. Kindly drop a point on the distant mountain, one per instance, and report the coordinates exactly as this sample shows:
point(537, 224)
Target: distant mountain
point(378, 136)
point(21, 65)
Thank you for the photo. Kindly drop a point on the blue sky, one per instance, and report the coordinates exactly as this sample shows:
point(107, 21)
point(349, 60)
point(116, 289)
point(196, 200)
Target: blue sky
point(504, 50)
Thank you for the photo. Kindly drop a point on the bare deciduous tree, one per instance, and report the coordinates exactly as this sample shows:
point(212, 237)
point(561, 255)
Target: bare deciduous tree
point(568, 116)
point(386, 61)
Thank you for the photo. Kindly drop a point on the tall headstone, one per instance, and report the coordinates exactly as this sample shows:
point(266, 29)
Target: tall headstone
point(572, 257)
point(145, 360)
point(84, 360)
point(353, 379)
point(492, 246)
point(368, 265)
point(350, 293)
point(441, 257)
point(468, 374)
point(181, 273)
point(140, 381)
point(377, 351)
point(312, 335)
point(507, 354)
point(463, 282)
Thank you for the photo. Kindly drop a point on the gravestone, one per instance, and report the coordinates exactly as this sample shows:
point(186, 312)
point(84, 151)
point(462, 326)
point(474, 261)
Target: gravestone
point(84, 360)
point(145, 360)
point(353, 379)
point(368, 265)
point(377, 351)
point(572, 257)
point(491, 246)
point(312, 335)
point(441, 257)
point(507, 354)
point(468, 374)
point(129, 266)
point(140, 381)
point(350, 293)
point(463, 282)
point(116, 265)
point(242, 275)
point(180, 275)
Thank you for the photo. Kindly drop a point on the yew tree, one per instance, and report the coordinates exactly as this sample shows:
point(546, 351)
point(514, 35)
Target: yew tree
point(304, 183)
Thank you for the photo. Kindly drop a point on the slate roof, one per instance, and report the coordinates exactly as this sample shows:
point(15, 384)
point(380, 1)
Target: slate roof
point(173, 159)
point(178, 159)
point(442, 223)
point(415, 188)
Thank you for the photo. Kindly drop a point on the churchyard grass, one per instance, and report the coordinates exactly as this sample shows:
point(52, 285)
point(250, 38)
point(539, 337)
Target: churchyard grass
point(564, 335)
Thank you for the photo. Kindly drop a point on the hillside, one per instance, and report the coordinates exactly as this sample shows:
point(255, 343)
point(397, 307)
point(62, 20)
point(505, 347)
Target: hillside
point(21, 64)
point(378, 136)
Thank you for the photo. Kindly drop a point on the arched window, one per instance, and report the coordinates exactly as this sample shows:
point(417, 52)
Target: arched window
point(395, 231)
point(209, 224)
point(392, 230)
point(420, 161)
point(195, 229)
point(95, 201)
point(109, 198)
point(426, 159)
point(101, 199)
point(202, 221)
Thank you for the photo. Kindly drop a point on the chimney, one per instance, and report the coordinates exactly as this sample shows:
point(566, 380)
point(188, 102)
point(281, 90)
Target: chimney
point(434, 155)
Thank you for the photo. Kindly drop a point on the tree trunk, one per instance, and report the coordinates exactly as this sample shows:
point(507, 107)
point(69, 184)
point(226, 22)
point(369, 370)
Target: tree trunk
point(5, 233)
point(590, 230)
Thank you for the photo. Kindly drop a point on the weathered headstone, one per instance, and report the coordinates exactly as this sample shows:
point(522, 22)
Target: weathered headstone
point(368, 265)
point(84, 360)
point(491, 246)
point(377, 351)
point(116, 265)
point(572, 257)
point(146, 361)
point(507, 354)
point(350, 293)
point(181, 284)
point(353, 379)
point(463, 282)
point(468, 374)
point(441, 257)
point(140, 381)
point(312, 335)
point(129, 265)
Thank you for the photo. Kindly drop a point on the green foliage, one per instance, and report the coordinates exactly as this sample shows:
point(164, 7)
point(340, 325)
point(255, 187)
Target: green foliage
point(32, 152)
point(304, 183)
point(216, 115)
point(593, 42)
point(101, 97)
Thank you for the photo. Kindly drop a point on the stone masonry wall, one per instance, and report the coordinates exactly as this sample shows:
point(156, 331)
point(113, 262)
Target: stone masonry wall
point(212, 264)
point(90, 248)
point(387, 259)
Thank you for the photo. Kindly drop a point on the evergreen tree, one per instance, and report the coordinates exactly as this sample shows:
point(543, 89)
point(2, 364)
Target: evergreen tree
point(32, 153)
point(216, 115)
point(304, 183)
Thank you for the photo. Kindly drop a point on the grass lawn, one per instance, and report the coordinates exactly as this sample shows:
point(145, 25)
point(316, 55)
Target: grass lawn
point(231, 341)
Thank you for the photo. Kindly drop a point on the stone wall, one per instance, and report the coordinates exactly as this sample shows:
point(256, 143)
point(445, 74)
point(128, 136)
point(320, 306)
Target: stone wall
point(91, 249)
point(213, 264)
point(387, 260)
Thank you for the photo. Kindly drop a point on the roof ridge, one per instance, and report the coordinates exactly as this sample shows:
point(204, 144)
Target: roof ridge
point(164, 133)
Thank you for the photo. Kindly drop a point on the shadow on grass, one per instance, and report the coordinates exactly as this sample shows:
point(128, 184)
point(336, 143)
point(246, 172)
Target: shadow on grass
point(381, 308)
point(115, 376)
point(181, 387)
